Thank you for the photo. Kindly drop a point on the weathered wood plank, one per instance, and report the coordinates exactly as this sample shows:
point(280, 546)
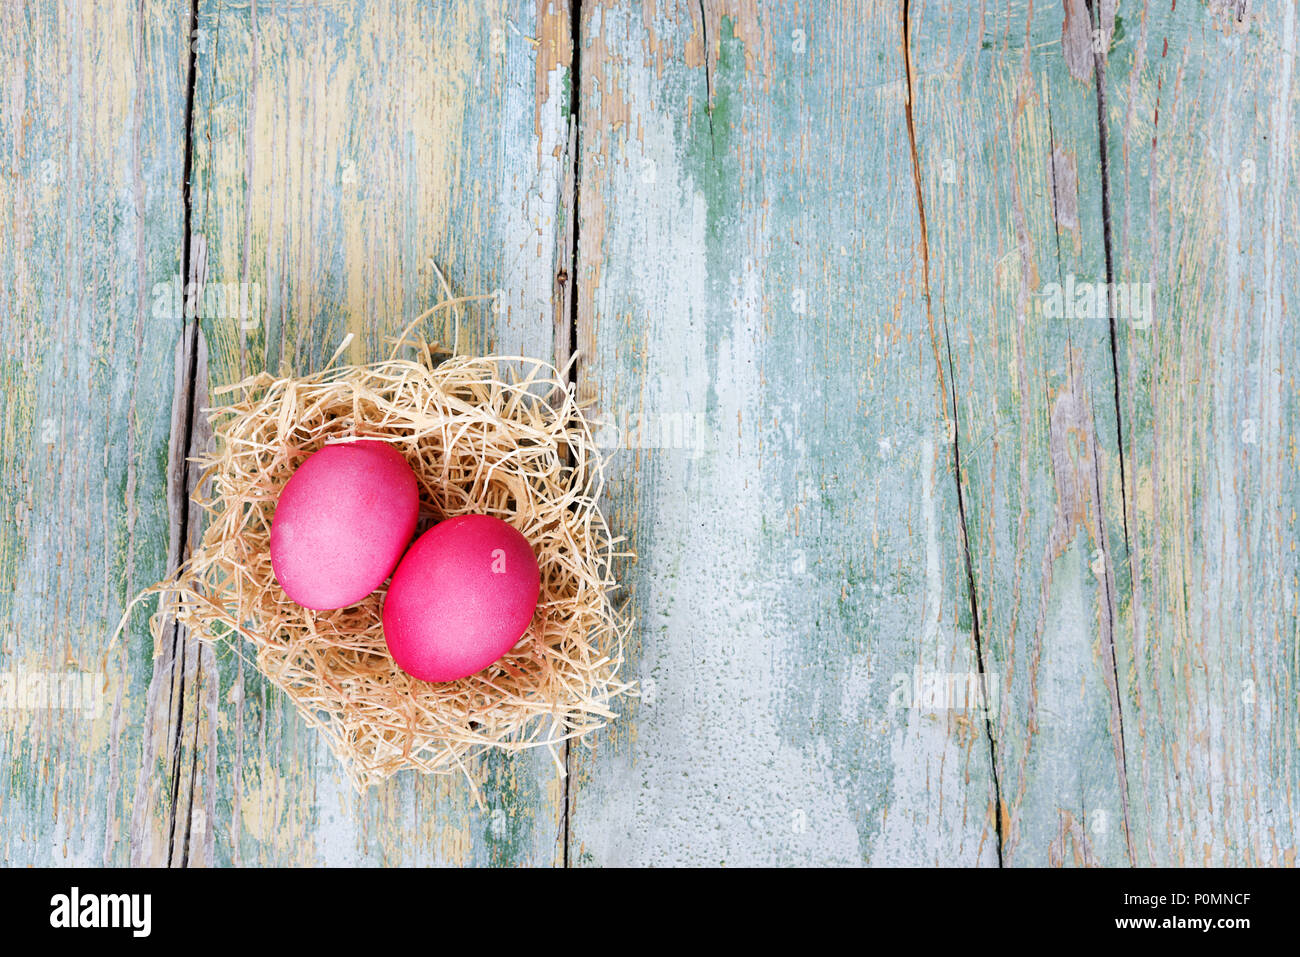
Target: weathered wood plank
point(815, 260)
point(751, 309)
point(92, 135)
point(1149, 714)
point(1008, 141)
point(1201, 108)
point(338, 150)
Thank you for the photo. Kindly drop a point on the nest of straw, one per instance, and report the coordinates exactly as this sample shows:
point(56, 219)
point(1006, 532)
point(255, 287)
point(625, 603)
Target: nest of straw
point(502, 436)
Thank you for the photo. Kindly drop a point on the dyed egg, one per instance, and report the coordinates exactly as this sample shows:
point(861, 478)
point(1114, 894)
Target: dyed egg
point(461, 598)
point(341, 523)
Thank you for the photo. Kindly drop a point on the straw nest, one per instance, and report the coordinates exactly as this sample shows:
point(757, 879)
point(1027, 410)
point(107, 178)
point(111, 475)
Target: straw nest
point(502, 436)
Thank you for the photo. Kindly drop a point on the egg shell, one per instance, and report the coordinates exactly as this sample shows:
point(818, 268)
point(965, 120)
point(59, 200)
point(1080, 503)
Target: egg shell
point(342, 522)
point(462, 596)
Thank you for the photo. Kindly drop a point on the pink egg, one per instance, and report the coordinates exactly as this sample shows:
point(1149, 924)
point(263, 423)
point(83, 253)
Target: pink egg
point(342, 522)
point(461, 598)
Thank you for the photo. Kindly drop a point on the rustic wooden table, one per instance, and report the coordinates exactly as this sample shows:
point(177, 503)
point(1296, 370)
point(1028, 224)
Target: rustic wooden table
point(836, 274)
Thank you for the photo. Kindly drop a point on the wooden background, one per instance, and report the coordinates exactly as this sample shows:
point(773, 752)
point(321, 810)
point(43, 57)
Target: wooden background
point(805, 252)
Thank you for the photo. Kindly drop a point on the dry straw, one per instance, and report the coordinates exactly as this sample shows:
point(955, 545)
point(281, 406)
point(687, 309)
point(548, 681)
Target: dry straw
point(497, 435)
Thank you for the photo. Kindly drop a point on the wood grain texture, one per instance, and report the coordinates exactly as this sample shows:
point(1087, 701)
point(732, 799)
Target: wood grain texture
point(934, 568)
point(1009, 149)
point(750, 264)
point(339, 152)
point(92, 140)
point(1202, 108)
point(1111, 488)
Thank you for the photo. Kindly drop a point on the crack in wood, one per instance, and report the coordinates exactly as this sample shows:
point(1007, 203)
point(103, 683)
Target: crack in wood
point(955, 429)
point(708, 76)
point(1117, 709)
point(1099, 78)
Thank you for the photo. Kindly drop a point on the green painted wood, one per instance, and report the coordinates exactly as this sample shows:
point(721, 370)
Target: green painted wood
point(337, 151)
point(92, 140)
point(814, 259)
point(1139, 612)
point(1201, 108)
point(1008, 141)
point(751, 274)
